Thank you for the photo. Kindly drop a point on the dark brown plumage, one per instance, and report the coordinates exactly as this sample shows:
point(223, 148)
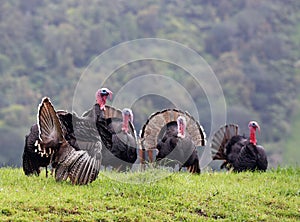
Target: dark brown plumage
point(32, 159)
point(123, 152)
point(175, 135)
point(76, 130)
point(80, 166)
point(238, 152)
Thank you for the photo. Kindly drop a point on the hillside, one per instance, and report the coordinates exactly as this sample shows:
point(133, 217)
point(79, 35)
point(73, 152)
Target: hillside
point(270, 196)
point(291, 152)
point(250, 46)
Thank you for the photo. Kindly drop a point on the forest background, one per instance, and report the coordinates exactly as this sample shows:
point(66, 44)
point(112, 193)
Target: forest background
point(252, 46)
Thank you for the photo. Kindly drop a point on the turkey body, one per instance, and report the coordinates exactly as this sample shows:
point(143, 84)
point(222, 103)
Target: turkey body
point(178, 150)
point(71, 144)
point(250, 157)
point(80, 166)
point(123, 149)
point(238, 152)
point(78, 132)
point(175, 135)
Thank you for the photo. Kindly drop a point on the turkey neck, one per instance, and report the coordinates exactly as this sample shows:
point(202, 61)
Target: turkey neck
point(125, 123)
point(102, 101)
point(181, 130)
point(253, 135)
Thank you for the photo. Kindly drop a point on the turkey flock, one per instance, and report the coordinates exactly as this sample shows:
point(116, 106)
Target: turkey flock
point(78, 147)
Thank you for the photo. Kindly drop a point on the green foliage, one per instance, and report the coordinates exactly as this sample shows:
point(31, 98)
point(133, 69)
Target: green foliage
point(291, 151)
point(270, 196)
point(252, 47)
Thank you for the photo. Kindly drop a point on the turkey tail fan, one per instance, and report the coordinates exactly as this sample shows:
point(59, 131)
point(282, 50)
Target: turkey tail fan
point(156, 124)
point(195, 130)
point(50, 131)
point(220, 138)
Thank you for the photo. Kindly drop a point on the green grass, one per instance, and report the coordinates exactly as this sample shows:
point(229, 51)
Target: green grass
point(270, 196)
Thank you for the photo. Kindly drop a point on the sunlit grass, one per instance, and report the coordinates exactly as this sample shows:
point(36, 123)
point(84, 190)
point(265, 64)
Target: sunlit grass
point(270, 196)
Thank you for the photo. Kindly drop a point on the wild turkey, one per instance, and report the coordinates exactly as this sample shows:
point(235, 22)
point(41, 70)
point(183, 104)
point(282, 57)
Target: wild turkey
point(80, 166)
point(123, 152)
point(33, 158)
point(175, 134)
point(237, 151)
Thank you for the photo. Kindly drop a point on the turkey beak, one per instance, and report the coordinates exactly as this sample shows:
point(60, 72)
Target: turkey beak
point(110, 93)
point(258, 127)
point(131, 118)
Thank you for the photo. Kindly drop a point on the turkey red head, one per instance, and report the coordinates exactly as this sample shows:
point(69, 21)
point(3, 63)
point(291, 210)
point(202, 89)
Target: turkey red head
point(101, 96)
point(181, 124)
point(127, 115)
point(253, 125)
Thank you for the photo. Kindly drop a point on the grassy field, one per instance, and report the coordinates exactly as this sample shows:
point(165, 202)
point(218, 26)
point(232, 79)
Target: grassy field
point(270, 196)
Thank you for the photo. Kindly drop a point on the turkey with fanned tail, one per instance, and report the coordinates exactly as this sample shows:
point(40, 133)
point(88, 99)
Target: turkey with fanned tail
point(85, 129)
point(33, 156)
point(175, 135)
point(238, 152)
point(80, 166)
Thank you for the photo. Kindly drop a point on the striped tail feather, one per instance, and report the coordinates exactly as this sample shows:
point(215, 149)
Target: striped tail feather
point(85, 170)
point(50, 131)
point(63, 168)
point(81, 167)
point(220, 139)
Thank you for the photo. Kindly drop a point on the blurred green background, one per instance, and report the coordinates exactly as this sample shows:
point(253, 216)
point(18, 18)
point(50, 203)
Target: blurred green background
point(252, 47)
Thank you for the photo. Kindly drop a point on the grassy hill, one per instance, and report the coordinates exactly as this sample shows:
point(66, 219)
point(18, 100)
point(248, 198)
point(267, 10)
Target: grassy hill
point(270, 196)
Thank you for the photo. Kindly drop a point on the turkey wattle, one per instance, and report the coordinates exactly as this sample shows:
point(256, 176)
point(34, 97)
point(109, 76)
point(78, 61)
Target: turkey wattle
point(238, 152)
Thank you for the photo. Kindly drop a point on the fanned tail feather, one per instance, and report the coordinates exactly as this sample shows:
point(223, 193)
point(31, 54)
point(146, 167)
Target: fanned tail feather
point(85, 170)
point(220, 139)
point(151, 130)
point(50, 131)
